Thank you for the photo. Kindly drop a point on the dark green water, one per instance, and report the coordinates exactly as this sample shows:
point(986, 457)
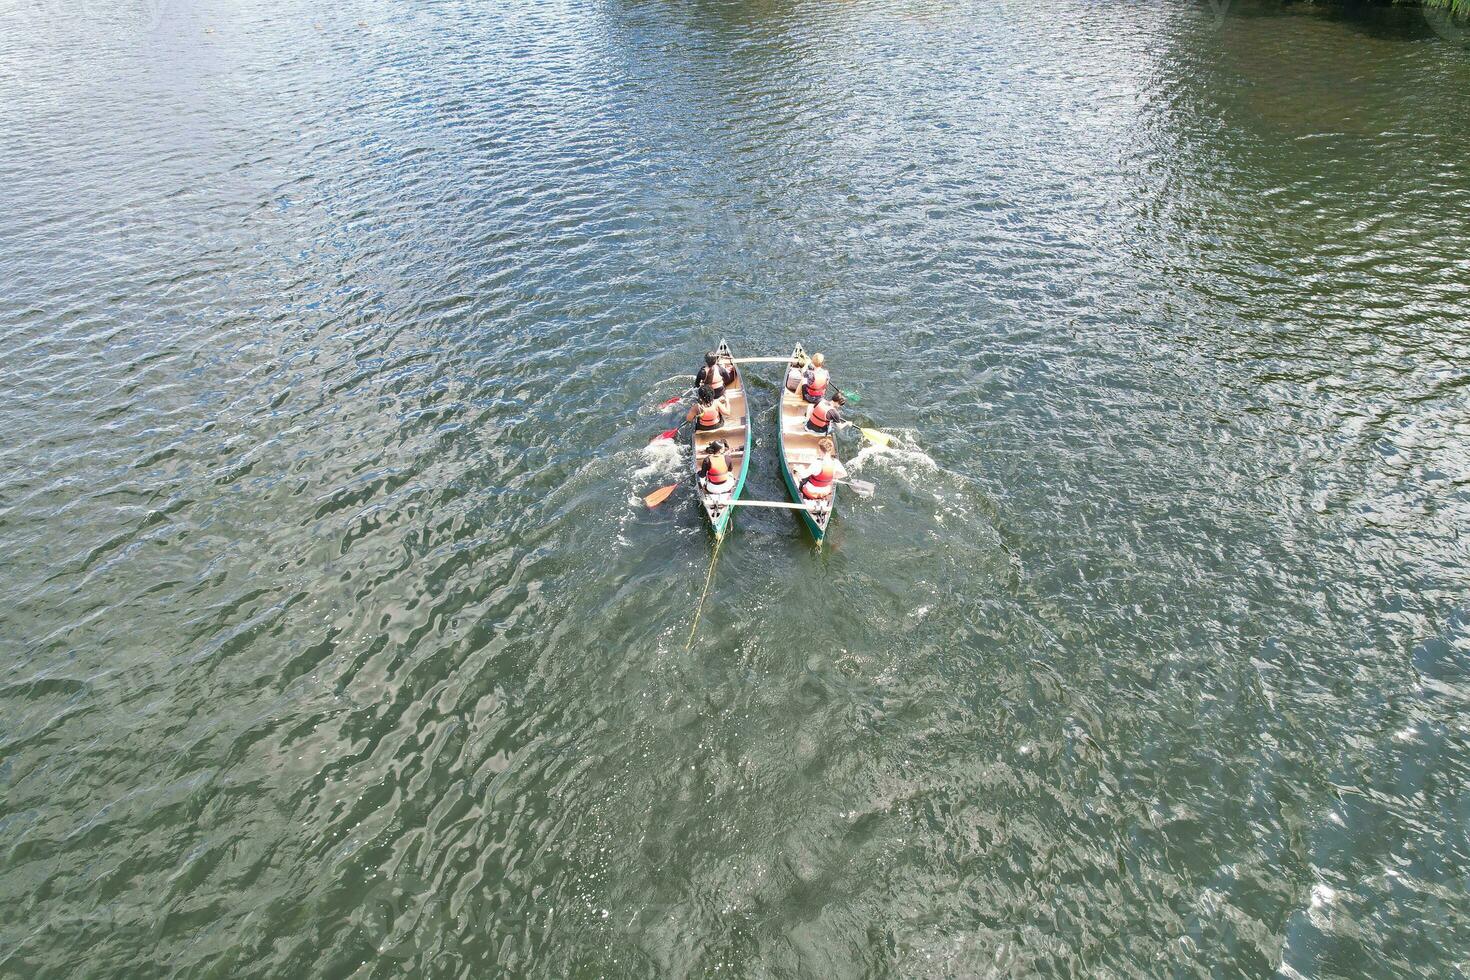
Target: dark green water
point(333, 644)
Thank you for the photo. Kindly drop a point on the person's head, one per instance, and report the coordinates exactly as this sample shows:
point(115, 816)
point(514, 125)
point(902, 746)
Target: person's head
point(711, 359)
point(716, 447)
point(706, 395)
point(839, 399)
point(818, 360)
point(826, 447)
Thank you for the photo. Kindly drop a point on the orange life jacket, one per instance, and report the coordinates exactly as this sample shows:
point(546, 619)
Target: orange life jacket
point(709, 416)
point(718, 472)
point(819, 484)
point(818, 418)
point(817, 386)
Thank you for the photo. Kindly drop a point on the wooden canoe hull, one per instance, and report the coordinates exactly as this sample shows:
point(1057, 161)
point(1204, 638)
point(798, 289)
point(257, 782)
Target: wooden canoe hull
point(736, 432)
point(798, 449)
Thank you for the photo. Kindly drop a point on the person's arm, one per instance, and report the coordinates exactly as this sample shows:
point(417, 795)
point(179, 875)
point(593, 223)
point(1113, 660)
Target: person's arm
point(840, 470)
point(693, 411)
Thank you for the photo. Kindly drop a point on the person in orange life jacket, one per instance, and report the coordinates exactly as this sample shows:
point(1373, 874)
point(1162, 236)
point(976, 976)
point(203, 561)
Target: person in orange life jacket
point(715, 472)
point(814, 383)
point(709, 411)
point(714, 375)
point(820, 478)
point(825, 414)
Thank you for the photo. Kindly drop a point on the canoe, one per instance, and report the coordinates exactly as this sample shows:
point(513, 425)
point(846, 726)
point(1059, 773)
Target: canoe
point(735, 432)
point(799, 450)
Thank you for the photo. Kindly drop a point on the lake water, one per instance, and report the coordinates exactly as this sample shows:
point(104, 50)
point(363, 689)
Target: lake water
point(333, 641)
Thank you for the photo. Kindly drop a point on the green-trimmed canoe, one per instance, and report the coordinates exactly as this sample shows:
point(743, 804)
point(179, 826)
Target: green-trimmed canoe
point(799, 449)
point(736, 433)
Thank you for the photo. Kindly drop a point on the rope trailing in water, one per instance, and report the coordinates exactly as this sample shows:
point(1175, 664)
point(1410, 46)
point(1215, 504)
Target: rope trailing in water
point(699, 609)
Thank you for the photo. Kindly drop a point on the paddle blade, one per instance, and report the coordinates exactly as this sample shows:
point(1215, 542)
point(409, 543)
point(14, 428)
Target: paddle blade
point(851, 396)
point(666, 434)
point(875, 437)
point(672, 401)
point(862, 487)
point(660, 495)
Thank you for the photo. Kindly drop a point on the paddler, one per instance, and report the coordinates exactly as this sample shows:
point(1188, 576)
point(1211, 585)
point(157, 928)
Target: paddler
point(715, 474)
point(818, 480)
point(822, 418)
point(708, 411)
point(815, 380)
point(718, 371)
point(794, 373)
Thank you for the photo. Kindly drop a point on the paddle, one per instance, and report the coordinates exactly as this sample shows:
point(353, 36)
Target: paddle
point(880, 439)
point(861, 487)
point(668, 433)
point(659, 496)
point(669, 403)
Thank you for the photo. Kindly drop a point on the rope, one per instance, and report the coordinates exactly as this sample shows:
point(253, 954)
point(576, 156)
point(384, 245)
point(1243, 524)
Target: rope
point(699, 609)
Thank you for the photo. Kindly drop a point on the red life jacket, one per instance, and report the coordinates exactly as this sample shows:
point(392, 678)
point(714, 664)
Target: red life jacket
point(709, 416)
point(817, 386)
point(818, 418)
point(718, 473)
point(819, 484)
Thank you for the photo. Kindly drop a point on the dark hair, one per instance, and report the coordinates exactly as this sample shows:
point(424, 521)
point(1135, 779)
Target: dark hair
point(838, 398)
point(711, 358)
point(718, 446)
point(706, 393)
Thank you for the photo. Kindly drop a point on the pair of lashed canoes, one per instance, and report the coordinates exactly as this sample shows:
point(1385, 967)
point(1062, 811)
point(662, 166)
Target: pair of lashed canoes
point(798, 449)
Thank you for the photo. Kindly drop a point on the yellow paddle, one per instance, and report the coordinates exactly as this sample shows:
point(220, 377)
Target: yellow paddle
point(879, 439)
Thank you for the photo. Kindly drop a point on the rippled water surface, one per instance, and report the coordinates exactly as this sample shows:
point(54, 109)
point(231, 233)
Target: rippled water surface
point(333, 642)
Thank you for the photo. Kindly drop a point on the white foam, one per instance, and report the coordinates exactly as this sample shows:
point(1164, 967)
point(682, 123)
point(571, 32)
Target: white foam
point(661, 457)
point(663, 463)
point(894, 456)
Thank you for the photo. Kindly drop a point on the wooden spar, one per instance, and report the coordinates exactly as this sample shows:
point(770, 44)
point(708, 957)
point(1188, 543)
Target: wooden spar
point(780, 504)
